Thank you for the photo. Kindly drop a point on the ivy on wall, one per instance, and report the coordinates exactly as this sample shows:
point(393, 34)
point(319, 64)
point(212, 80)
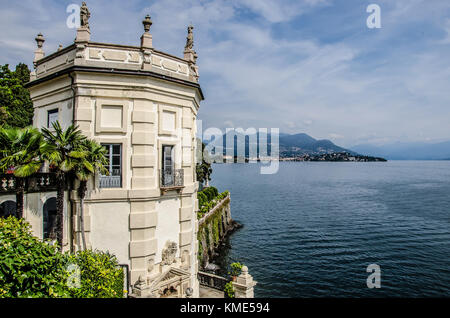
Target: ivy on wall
point(208, 199)
point(210, 232)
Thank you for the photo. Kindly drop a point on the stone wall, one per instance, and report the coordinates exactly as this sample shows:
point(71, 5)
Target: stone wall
point(212, 229)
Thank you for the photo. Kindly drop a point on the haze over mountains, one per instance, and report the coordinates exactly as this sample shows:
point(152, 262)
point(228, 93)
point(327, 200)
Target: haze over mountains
point(407, 151)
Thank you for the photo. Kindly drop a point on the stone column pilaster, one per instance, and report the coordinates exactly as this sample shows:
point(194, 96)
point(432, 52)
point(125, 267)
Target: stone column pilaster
point(143, 215)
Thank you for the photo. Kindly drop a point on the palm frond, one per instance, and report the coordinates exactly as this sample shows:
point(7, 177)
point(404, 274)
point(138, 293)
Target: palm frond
point(27, 170)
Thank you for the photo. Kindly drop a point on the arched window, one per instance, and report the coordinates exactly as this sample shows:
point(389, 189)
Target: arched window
point(49, 218)
point(7, 208)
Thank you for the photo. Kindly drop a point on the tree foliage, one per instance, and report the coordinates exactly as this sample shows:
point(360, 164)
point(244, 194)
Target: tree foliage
point(204, 169)
point(229, 290)
point(16, 107)
point(23, 151)
point(93, 160)
point(63, 149)
point(100, 275)
point(28, 266)
point(33, 268)
point(20, 150)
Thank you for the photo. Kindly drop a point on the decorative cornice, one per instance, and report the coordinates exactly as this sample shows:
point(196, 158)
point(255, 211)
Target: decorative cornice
point(105, 70)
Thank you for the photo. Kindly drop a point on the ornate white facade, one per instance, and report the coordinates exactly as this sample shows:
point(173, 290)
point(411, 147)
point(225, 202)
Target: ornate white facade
point(142, 105)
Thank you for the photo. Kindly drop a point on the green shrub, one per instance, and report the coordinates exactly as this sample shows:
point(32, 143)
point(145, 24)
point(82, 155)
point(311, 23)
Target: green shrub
point(207, 199)
point(210, 192)
point(206, 192)
point(224, 194)
point(215, 191)
point(100, 275)
point(229, 290)
point(236, 269)
point(202, 199)
point(28, 266)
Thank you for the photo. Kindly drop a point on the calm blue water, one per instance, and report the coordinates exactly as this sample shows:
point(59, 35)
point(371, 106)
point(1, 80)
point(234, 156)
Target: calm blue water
point(312, 229)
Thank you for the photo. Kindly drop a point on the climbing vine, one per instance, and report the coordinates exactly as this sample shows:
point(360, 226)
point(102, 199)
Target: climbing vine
point(210, 232)
point(208, 199)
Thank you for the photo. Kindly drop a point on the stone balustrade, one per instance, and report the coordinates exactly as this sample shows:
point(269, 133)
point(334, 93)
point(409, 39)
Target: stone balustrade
point(117, 57)
point(244, 285)
point(221, 204)
point(39, 182)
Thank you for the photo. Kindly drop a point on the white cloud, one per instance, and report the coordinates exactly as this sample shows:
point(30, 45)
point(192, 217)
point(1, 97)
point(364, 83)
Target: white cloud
point(278, 11)
point(393, 82)
point(446, 28)
point(335, 136)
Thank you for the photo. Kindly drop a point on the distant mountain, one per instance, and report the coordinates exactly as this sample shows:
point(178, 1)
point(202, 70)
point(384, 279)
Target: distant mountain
point(407, 151)
point(297, 140)
point(300, 144)
point(289, 145)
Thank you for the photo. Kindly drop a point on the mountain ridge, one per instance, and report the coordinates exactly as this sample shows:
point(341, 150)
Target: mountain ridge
point(300, 144)
point(289, 144)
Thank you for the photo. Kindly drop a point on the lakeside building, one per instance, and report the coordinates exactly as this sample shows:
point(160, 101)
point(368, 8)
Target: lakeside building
point(141, 104)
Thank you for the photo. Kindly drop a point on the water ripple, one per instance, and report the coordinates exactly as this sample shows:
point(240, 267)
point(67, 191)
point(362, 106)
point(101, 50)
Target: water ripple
point(312, 229)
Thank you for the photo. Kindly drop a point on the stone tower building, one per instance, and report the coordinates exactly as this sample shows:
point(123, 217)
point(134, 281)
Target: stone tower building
point(141, 104)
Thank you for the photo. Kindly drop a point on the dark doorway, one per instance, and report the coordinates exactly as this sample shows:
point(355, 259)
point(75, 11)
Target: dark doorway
point(7, 208)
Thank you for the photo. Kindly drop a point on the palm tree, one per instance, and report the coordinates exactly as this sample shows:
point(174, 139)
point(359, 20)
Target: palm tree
point(62, 149)
point(94, 160)
point(20, 150)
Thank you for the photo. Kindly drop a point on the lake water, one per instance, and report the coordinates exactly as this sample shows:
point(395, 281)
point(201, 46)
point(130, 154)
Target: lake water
point(312, 229)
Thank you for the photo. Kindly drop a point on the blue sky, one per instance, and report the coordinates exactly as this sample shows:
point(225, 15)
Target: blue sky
point(308, 66)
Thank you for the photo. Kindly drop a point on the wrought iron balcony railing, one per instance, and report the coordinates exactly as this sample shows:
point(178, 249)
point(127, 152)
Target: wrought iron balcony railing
point(110, 182)
point(171, 178)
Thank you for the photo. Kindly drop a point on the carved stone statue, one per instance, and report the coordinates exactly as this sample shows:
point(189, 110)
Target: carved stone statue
point(169, 253)
point(190, 39)
point(150, 265)
point(140, 283)
point(194, 70)
point(84, 16)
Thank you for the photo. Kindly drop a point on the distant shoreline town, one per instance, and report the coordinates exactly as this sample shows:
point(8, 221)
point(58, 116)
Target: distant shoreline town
point(326, 157)
point(337, 157)
point(298, 147)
